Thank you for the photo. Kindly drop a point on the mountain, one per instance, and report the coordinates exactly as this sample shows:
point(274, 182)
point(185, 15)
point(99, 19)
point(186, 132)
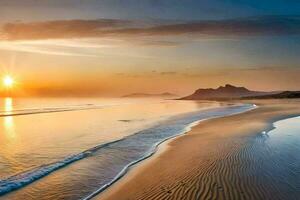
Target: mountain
point(223, 92)
point(146, 95)
point(281, 95)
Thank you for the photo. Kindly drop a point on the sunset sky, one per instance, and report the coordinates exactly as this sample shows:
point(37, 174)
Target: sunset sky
point(115, 47)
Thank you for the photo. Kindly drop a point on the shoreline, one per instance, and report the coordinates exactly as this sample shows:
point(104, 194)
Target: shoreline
point(126, 187)
point(136, 163)
point(27, 177)
point(155, 150)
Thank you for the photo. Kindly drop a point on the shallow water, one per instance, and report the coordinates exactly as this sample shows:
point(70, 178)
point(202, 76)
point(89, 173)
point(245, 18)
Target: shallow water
point(267, 167)
point(69, 143)
point(273, 160)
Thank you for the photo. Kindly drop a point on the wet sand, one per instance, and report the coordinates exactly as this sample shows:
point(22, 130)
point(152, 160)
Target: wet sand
point(209, 162)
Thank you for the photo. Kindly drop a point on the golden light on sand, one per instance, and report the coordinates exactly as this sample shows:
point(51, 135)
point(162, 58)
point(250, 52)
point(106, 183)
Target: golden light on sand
point(8, 81)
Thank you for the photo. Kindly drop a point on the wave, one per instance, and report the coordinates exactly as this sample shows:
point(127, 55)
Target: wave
point(24, 178)
point(44, 110)
point(32, 111)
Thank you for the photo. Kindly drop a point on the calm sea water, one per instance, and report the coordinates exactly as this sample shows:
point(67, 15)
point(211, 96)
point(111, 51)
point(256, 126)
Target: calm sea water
point(271, 163)
point(73, 148)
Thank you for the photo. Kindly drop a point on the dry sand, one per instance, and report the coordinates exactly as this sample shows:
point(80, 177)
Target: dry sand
point(199, 164)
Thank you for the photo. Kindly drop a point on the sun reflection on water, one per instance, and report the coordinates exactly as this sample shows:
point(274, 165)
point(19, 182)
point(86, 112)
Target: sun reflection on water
point(9, 120)
point(8, 105)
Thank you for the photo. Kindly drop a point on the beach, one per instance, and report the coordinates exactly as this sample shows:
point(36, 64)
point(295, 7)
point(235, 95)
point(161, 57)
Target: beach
point(217, 159)
point(88, 143)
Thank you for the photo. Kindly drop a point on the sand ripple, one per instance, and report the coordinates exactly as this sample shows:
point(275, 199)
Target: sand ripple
point(266, 166)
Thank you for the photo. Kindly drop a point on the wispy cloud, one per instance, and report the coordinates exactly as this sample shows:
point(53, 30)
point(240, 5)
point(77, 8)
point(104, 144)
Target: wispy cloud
point(48, 48)
point(74, 47)
point(168, 73)
point(60, 29)
point(101, 28)
point(271, 68)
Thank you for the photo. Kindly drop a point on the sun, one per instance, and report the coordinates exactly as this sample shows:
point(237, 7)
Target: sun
point(8, 81)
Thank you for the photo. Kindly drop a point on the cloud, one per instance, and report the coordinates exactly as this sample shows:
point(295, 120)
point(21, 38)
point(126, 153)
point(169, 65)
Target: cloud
point(270, 25)
point(40, 49)
point(60, 29)
point(101, 28)
point(168, 73)
point(147, 74)
point(270, 68)
point(72, 47)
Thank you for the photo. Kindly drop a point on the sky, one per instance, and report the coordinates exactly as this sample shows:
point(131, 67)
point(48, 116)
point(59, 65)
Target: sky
point(116, 47)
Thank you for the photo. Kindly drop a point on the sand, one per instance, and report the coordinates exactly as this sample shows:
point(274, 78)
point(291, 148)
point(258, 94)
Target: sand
point(202, 164)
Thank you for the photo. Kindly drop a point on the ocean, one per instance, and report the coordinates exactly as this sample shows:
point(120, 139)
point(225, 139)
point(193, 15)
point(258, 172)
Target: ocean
point(74, 148)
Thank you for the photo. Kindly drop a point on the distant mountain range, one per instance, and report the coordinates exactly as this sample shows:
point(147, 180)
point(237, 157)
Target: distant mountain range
point(281, 95)
point(232, 92)
point(146, 95)
point(223, 92)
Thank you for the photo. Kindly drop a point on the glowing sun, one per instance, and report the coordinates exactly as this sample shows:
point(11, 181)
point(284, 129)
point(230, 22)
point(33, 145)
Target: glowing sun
point(8, 81)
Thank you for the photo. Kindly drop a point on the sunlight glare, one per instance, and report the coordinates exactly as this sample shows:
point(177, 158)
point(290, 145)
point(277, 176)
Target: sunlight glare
point(8, 81)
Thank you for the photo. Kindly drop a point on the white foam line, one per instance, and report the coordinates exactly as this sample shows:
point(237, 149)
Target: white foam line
point(24, 178)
